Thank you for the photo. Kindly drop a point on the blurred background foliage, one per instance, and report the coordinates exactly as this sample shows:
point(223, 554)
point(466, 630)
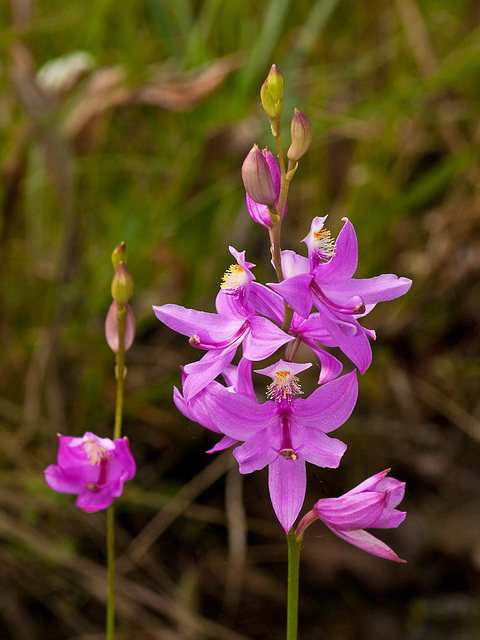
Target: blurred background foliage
point(141, 138)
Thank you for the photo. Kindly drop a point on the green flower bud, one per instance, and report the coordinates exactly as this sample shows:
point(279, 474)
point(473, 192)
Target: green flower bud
point(119, 254)
point(268, 103)
point(302, 133)
point(275, 83)
point(122, 284)
point(271, 92)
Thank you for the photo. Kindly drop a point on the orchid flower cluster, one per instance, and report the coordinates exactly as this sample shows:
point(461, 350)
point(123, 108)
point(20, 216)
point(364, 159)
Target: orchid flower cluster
point(316, 302)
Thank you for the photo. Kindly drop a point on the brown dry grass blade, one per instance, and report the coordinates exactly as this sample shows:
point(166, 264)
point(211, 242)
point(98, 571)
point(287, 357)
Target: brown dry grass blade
point(108, 89)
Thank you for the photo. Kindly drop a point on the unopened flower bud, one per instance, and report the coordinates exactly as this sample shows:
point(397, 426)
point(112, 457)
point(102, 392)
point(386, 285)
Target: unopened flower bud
point(268, 103)
point(271, 92)
point(301, 129)
point(111, 327)
point(257, 178)
point(122, 284)
point(275, 83)
point(119, 254)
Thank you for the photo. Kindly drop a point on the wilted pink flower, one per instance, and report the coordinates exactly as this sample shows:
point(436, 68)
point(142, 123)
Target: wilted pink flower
point(92, 467)
point(259, 212)
point(111, 327)
point(257, 178)
point(370, 505)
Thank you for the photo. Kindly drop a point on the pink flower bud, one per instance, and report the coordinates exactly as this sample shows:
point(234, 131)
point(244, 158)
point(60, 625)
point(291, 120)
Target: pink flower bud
point(257, 178)
point(111, 327)
point(301, 130)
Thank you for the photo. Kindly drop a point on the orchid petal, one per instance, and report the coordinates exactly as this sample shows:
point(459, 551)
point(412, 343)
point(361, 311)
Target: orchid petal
point(205, 370)
point(222, 444)
point(387, 286)
point(358, 511)
point(343, 263)
point(364, 540)
point(263, 339)
point(318, 448)
point(329, 406)
point(238, 416)
point(287, 482)
point(210, 327)
point(258, 451)
point(330, 367)
point(296, 291)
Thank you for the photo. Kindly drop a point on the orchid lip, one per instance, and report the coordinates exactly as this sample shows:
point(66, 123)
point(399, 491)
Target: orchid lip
point(353, 309)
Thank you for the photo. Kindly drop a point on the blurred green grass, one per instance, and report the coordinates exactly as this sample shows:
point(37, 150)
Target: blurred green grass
point(154, 159)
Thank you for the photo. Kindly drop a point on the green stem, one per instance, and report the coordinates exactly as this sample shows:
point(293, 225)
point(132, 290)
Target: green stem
point(294, 546)
point(110, 632)
point(117, 430)
point(275, 249)
point(120, 372)
point(285, 184)
point(274, 232)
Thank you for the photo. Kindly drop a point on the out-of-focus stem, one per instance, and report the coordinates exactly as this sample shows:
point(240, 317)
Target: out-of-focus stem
point(117, 431)
point(110, 630)
point(120, 371)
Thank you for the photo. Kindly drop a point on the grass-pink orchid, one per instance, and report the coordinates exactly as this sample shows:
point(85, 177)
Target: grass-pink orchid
point(370, 505)
point(236, 322)
point(238, 379)
point(309, 331)
point(325, 280)
point(92, 467)
point(285, 432)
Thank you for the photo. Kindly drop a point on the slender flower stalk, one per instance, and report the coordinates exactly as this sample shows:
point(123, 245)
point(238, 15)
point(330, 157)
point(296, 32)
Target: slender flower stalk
point(117, 429)
point(122, 289)
point(110, 626)
point(120, 371)
point(294, 547)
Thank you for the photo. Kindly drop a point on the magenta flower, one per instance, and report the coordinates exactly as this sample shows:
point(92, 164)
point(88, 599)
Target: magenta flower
point(309, 331)
point(370, 505)
point(236, 322)
point(92, 467)
point(238, 379)
point(258, 211)
point(285, 433)
point(326, 281)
